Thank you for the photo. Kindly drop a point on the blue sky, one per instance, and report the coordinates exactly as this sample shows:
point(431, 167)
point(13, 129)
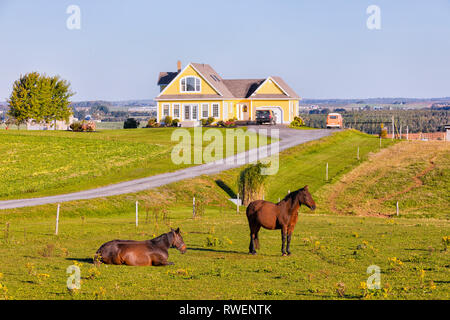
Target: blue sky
point(323, 49)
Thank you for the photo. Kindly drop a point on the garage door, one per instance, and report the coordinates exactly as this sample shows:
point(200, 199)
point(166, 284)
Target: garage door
point(277, 111)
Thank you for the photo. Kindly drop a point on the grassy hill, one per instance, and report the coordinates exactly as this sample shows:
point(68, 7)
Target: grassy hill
point(40, 163)
point(331, 250)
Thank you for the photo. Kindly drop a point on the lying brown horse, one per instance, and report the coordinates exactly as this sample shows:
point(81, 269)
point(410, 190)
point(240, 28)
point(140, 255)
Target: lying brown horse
point(282, 215)
point(140, 253)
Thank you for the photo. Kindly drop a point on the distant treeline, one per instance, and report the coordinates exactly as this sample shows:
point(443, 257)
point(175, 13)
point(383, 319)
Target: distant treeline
point(422, 120)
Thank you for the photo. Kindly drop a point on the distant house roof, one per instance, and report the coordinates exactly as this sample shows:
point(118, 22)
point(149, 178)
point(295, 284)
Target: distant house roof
point(228, 88)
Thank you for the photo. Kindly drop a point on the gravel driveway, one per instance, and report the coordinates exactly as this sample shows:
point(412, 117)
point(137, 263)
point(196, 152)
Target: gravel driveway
point(288, 138)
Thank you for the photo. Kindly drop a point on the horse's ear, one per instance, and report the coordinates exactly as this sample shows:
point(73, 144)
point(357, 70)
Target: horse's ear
point(178, 230)
point(306, 187)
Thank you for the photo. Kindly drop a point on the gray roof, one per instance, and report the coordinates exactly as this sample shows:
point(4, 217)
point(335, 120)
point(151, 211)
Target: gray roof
point(227, 88)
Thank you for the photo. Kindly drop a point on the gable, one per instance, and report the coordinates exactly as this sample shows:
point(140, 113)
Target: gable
point(174, 87)
point(269, 87)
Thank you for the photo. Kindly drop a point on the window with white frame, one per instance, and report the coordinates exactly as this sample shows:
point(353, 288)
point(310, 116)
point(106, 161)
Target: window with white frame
point(215, 110)
point(205, 112)
point(166, 110)
point(176, 111)
point(195, 112)
point(190, 84)
point(187, 112)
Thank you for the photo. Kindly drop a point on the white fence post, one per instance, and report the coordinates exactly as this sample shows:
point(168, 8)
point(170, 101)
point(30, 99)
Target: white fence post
point(397, 209)
point(357, 154)
point(57, 220)
point(326, 173)
point(193, 207)
point(237, 203)
point(137, 213)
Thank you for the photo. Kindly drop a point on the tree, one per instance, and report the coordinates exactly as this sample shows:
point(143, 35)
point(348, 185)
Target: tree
point(39, 97)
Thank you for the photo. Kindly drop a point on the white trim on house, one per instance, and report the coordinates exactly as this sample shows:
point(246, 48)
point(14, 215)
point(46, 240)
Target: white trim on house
point(178, 75)
point(184, 90)
point(273, 107)
point(218, 110)
point(164, 105)
point(179, 110)
point(276, 83)
point(206, 80)
point(207, 110)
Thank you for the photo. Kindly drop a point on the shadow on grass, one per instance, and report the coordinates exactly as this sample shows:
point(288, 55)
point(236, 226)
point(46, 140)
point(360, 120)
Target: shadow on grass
point(81, 260)
point(215, 250)
point(226, 188)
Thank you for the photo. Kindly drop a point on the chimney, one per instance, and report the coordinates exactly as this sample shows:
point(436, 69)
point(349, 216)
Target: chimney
point(179, 66)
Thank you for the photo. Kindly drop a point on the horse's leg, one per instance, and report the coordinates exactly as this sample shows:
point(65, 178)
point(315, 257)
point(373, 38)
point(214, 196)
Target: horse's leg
point(290, 230)
point(257, 238)
point(254, 238)
point(283, 239)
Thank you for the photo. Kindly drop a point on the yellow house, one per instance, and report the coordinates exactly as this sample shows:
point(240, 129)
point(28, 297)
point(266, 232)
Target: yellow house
point(198, 92)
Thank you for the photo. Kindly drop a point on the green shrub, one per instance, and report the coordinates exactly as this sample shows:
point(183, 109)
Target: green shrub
point(175, 122)
point(167, 121)
point(152, 123)
point(297, 123)
point(210, 120)
point(76, 127)
point(131, 123)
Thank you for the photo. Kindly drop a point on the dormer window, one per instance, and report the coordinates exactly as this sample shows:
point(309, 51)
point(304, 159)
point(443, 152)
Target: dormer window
point(190, 84)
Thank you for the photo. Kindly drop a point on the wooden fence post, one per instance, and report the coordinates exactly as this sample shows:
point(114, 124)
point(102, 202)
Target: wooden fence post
point(193, 207)
point(237, 203)
point(357, 154)
point(326, 173)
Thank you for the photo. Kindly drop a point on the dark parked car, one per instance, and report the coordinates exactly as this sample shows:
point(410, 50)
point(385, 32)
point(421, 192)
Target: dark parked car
point(265, 116)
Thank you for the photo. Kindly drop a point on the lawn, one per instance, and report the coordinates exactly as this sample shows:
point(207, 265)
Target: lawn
point(41, 163)
point(331, 250)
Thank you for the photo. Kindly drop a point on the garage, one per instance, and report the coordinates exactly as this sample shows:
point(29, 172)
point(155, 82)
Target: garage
point(277, 111)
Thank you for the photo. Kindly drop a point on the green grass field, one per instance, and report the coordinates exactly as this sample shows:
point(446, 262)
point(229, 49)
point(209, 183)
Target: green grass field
point(331, 251)
point(41, 163)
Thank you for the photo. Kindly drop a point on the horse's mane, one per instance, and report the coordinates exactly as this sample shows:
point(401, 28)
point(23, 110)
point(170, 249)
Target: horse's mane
point(291, 196)
point(161, 237)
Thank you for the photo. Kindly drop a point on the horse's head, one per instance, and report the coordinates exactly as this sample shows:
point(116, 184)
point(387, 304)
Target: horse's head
point(304, 197)
point(178, 241)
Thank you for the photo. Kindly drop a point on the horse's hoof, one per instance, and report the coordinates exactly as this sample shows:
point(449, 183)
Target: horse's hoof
point(283, 254)
point(252, 253)
point(288, 253)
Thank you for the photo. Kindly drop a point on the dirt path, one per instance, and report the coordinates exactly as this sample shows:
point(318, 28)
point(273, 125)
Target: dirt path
point(417, 181)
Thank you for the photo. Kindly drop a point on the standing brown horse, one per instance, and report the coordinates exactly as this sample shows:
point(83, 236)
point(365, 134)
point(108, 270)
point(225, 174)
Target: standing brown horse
point(140, 253)
point(282, 215)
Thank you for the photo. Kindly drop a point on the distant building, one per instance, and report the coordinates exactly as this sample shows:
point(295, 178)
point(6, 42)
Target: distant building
point(142, 109)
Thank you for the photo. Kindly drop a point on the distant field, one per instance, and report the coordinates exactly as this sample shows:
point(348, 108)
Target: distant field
point(38, 163)
point(331, 251)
